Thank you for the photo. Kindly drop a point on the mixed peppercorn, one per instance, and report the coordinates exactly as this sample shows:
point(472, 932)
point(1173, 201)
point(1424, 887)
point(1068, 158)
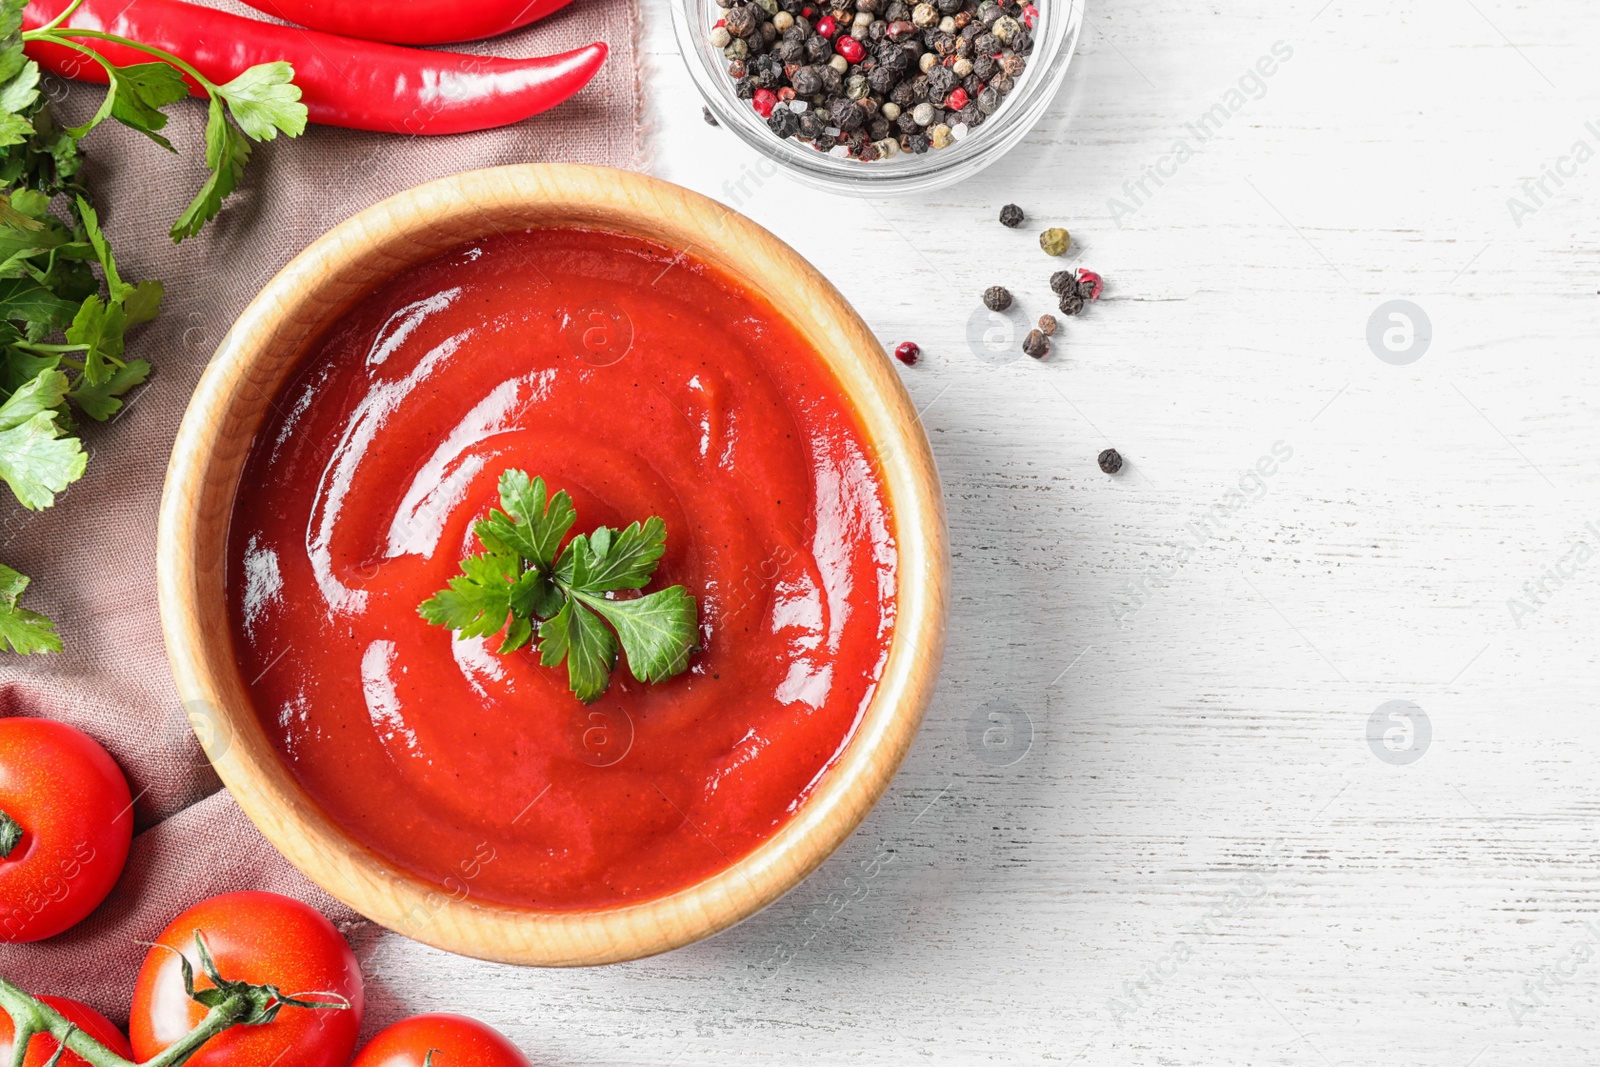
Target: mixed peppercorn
point(869, 79)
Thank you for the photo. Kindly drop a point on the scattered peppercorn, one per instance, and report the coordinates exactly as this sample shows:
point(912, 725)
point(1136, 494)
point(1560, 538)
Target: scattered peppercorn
point(1089, 284)
point(705, 113)
point(1047, 325)
point(1035, 344)
point(1111, 461)
point(1055, 241)
point(1071, 303)
point(1062, 282)
point(997, 298)
point(907, 352)
point(1011, 215)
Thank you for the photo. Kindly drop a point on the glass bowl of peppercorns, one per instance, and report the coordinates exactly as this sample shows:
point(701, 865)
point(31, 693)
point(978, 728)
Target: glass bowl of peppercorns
point(879, 96)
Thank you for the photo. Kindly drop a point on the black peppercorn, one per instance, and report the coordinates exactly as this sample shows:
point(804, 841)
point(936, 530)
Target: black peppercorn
point(1110, 461)
point(917, 143)
point(1071, 303)
point(882, 80)
point(806, 81)
point(783, 122)
point(1011, 215)
point(940, 81)
point(818, 49)
point(996, 298)
point(1035, 344)
point(812, 124)
point(878, 128)
point(1063, 282)
point(740, 20)
point(847, 114)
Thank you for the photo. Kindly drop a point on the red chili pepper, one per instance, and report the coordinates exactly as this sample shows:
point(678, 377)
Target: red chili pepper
point(361, 85)
point(415, 21)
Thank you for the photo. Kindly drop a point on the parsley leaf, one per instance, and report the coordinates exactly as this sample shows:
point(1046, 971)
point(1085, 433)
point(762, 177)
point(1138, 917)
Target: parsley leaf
point(227, 151)
point(520, 581)
point(36, 461)
point(578, 636)
point(265, 99)
point(623, 560)
point(21, 630)
point(529, 526)
point(657, 630)
point(478, 600)
point(141, 91)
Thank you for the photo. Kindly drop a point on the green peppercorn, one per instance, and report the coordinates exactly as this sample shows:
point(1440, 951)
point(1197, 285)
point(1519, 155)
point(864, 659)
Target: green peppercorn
point(997, 298)
point(1055, 241)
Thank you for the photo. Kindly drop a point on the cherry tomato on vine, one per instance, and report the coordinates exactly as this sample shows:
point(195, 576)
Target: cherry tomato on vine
point(264, 939)
point(42, 1047)
point(454, 1041)
point(66, 821)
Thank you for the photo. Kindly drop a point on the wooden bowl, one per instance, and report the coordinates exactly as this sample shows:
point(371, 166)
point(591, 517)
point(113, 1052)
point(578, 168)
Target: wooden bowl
point(230, 404)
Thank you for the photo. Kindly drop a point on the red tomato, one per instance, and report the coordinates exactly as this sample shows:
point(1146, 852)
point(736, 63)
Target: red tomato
point(264, 939)
point(71, 802)
point(42, 1047)
point(454, 1040)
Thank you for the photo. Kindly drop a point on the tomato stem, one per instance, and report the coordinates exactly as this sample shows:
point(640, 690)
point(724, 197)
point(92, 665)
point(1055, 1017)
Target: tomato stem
point(240, 1003)
point(10, 834)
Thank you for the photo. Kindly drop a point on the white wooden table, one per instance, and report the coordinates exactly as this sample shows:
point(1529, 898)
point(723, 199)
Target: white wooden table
point(1199, 858)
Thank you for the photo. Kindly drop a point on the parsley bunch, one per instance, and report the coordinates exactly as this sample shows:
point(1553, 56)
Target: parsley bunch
point(520, 580)
point(62, 329)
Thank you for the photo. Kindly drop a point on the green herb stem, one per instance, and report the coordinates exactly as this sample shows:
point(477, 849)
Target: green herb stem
point(65, 14)
point(61, 37)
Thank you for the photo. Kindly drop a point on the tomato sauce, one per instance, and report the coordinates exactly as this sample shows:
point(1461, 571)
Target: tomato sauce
point(643, 382)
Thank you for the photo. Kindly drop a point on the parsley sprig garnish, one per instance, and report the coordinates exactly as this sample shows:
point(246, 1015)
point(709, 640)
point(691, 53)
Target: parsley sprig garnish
point(62, 329)
point(520, 585)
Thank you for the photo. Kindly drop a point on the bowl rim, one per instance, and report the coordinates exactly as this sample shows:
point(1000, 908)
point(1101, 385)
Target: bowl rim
point(265, 345)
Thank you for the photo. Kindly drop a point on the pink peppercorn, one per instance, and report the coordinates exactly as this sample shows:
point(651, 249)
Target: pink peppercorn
point(907, 352)
point(957, 100)
point(1089, 284)
point(764, 100)
point(826, 26)
point(850, 48)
